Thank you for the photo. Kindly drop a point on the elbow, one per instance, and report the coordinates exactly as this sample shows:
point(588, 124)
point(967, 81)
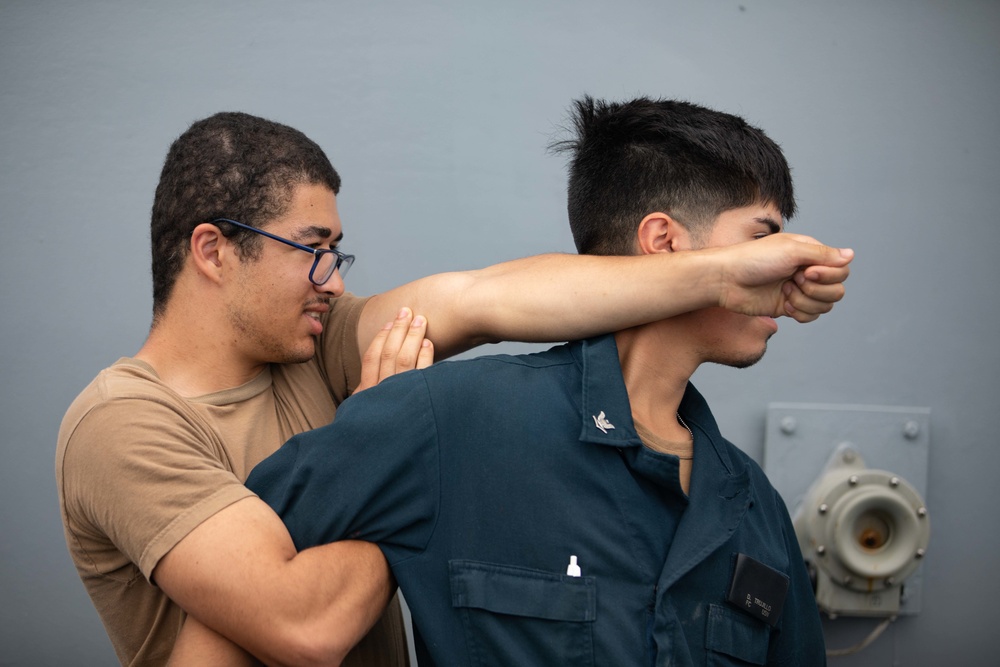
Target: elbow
point(307, 647)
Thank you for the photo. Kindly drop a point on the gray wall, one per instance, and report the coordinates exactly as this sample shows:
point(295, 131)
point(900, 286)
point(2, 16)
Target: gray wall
point(438, 115)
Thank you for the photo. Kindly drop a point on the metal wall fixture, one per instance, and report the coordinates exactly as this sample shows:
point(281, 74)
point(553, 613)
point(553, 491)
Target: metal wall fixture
point(854, 479)
point(863, 532)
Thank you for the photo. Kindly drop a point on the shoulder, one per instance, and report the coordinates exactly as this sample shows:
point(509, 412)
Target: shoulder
point(126, 411)
point(126, 381)
point(744, 460)
point(762, 491)
point(133, 458)
point(757, 473)
point(447, 388)
point(495, 379)
point(511, 364)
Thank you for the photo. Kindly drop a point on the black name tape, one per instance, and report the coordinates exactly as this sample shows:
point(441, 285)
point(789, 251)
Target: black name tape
point(757, 589)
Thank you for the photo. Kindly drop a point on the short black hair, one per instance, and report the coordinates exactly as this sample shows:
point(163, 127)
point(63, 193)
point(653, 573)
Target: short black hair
point(633, 158)
point(229, 165)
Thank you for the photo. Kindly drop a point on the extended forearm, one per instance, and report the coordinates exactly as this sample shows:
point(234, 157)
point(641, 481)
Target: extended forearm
point(561, 297)
point(550, 298)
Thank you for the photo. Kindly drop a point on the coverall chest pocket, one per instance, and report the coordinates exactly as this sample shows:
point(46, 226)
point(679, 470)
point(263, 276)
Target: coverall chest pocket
point(520, 616)
point(734, 639)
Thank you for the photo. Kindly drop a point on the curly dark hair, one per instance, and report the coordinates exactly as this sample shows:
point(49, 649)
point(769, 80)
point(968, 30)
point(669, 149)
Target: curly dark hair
point(230, 165)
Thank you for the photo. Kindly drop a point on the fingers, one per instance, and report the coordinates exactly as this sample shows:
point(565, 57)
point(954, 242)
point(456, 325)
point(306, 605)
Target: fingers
point(371, 359)
point(805, 299)
point(800, 307)
point(811, 252)
point(829, 289)
point(399, 346)
point(824, 275)
point(426, 355)
point(814, 289)
point(403, 344)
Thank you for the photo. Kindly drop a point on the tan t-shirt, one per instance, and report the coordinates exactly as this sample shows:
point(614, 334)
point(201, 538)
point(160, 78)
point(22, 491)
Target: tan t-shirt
point(138, 467)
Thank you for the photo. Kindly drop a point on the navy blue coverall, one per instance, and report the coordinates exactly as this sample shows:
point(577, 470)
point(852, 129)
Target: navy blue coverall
point(479, 480)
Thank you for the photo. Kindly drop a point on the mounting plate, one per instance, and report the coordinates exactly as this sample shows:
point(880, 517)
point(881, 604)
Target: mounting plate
point(800, 437)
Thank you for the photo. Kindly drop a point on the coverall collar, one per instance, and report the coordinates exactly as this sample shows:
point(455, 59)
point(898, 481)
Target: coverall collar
point(721, 492)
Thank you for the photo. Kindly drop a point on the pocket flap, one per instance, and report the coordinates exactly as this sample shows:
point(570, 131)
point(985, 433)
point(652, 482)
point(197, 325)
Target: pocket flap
point(517, 591)
point(737, 635)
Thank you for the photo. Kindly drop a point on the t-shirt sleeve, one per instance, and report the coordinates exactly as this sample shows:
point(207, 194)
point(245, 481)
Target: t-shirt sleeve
point(372, 475)
point(140, 473)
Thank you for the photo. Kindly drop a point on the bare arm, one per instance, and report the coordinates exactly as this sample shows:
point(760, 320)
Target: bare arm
point(560, 297)
point(348, 582)
point(239, 573)
point(400, 345)
point(198, 646)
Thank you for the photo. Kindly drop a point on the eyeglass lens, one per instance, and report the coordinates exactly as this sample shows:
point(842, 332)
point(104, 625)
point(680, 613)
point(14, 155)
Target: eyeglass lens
point(326, 264)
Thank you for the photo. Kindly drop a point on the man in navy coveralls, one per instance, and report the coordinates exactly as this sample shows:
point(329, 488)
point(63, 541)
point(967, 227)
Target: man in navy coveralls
point(579, 506)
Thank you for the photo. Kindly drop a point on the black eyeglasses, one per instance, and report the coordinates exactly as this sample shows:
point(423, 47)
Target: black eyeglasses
point(325, 262)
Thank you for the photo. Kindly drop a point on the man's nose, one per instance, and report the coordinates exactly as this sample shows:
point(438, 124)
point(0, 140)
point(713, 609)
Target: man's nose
point(334, 285)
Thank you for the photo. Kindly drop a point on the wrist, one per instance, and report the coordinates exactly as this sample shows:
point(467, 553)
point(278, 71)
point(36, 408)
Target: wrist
point(707, 275)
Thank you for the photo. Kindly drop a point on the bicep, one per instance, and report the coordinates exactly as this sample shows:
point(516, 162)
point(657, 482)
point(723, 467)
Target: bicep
point(239, 574)
point(121, 451)
point(452, 324)
point(222, 560)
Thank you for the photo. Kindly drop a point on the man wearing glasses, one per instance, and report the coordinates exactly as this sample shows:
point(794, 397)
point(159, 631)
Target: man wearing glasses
point(253, 340)
point(325, 260)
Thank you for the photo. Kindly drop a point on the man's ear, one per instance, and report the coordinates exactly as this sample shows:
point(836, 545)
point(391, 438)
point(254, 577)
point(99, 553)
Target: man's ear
point(207, 248)
point(659, 232)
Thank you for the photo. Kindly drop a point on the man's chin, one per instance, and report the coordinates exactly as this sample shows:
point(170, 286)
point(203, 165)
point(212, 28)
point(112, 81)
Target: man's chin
point(298, 360)
point(744, 361)
point(299, 356)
